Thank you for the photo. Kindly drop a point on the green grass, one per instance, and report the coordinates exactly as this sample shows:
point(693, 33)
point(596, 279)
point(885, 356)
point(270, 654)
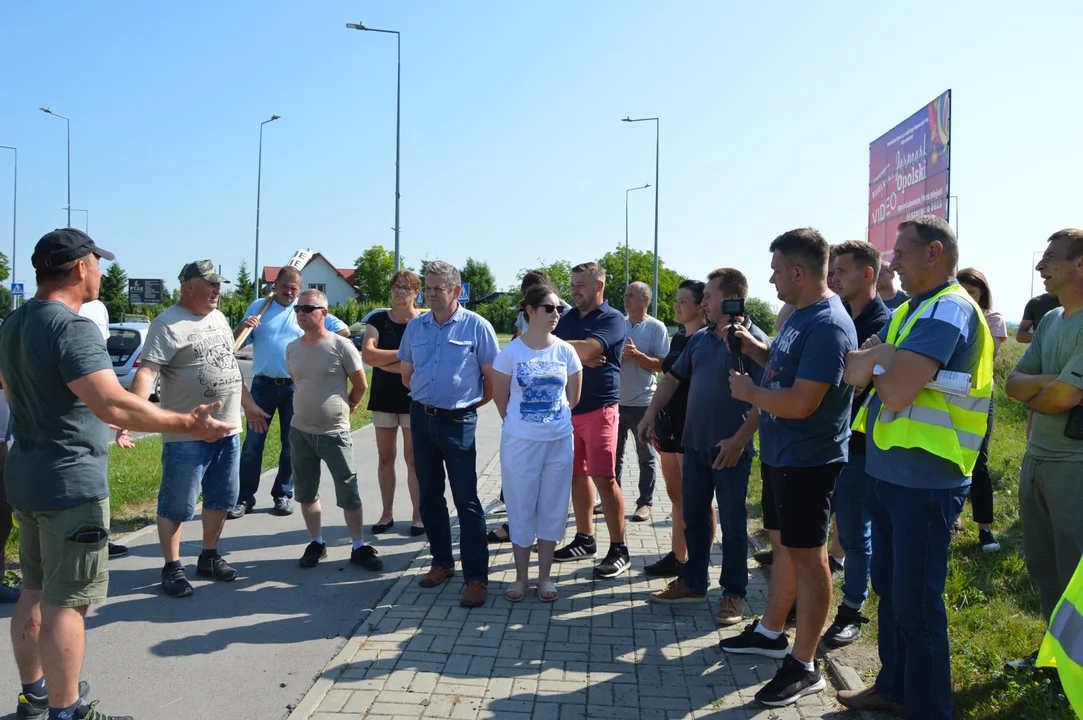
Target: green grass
point(135, 474)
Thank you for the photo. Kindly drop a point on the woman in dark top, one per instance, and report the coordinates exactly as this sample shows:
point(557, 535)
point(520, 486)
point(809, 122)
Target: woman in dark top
point(690, 315)
point(389, 399)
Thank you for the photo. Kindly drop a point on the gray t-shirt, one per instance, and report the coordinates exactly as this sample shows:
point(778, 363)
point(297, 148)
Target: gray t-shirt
point(713, 413)
point(198, 366)
point(637, 383)
point(61, 451)
point(1057, 348)
point(321, 403)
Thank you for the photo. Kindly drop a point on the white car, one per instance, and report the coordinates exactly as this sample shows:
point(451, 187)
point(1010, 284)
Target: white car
point(125, 345)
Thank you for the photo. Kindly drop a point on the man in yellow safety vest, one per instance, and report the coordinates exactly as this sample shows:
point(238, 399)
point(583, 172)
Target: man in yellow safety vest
point(922, 444)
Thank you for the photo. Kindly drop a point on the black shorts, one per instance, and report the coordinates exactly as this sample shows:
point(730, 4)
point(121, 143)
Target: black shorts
point(797, 502)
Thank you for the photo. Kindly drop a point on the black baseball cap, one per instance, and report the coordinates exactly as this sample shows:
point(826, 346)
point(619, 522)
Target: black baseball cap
point(64, 245)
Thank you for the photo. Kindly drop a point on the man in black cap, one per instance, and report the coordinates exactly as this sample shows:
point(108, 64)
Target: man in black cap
point(190, 346)
point(59, 382)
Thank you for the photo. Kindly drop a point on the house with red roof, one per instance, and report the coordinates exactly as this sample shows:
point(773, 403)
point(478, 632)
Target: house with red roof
point(339, 284)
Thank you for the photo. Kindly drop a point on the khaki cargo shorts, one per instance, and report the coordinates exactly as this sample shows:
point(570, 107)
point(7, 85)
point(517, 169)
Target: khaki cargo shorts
point(65, 553)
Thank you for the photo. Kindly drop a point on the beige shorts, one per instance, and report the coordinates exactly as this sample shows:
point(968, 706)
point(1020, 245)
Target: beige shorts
point(65, 553)
point(390, 420)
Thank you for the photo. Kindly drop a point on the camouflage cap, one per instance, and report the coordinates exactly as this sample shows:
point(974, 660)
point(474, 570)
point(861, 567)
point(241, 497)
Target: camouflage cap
point(200, 269)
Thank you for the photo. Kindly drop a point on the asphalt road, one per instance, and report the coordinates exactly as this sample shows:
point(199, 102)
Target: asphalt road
point(249, 648)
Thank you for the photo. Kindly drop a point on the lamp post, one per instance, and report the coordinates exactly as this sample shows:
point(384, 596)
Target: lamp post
point(627, 278)
point(1033, 255)
point(87, 226)
point(68, 121)
point(398, 117)
point(259, 181)
point(657, 137)
point(956, 214)
point(14, 213)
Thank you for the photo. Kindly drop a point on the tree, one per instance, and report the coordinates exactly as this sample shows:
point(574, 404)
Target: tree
point(5, 301)
point(641, 269)
point(559, 272)
point(114, 292)
point(243, 287)
point(374, 270)
point(5, 267)
point(480, 278)
point(761, 315)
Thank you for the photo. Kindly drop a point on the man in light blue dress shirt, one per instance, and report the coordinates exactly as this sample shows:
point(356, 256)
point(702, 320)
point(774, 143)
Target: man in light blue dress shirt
point(447, 362)
point(272, 388)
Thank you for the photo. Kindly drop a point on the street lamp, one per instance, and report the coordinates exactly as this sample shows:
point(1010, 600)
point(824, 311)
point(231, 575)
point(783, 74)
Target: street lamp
point(87, 228)
point(68, 121)
point(626, 275)
point(259, 181)
point(398, 117)
point(14, 212)
point(657, 136)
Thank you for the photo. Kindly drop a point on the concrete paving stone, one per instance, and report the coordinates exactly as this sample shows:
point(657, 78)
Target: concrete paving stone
point(546, 711)
point(673, 702)
point(405, 698)
point(481, 666)
point(425, 657)
point(566, 691)
point(454, 687)
point(457, 664)
point(567, 656)
point(334, 701)
point(613, 712)
point(425, 682)
point(360, 683)
point(469, 648)
point(502, 714)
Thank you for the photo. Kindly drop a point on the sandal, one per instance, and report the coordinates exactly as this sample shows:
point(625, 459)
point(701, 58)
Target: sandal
point(495, 538)
point(547, 591)
point(516, 592)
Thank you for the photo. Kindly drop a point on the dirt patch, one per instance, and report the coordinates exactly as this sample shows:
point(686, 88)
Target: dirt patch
point(862, 657)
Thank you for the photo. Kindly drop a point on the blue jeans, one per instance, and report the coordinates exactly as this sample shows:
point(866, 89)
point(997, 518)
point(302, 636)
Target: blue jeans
point(194, 466)
point(854, 490)
point(630, 418)
point(699, 485)
point(911, 536)
point(444, 450)
point(270, 398)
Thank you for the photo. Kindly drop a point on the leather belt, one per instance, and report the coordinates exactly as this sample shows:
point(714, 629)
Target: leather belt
point(275, 381)
point(441, 412)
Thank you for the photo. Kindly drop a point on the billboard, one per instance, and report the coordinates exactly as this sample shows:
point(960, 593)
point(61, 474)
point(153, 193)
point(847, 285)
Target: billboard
point(144, 291)
point(909, 171)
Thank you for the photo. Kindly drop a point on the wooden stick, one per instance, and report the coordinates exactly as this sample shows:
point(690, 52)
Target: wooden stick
point(299, 260)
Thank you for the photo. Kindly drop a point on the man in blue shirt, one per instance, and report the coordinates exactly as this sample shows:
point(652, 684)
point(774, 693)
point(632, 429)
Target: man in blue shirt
point(272, 388)
point(804, 427)
point(597, 332)
point(718, 452)
point(855, 264)
point(447, 362)
point(917, 493)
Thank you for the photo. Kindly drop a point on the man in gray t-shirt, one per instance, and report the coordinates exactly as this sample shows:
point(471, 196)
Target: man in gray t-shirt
point(1049, 379)
point(190, 346)
point(647, 345)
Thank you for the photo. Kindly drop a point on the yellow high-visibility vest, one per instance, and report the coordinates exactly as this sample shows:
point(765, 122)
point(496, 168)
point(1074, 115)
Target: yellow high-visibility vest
point(1062, 647)
point(948, 426)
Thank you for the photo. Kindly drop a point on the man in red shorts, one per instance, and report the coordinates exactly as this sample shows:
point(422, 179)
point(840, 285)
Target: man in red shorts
point(597, 332)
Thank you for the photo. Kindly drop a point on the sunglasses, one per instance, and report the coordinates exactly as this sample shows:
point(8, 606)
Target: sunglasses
point(549, 308)
point(307, 308)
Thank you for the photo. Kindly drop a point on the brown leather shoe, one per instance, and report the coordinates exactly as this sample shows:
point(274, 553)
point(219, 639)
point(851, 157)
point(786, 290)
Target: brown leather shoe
point(475, 594)
point(642, 514)
point(435, 576)
point(869, 699)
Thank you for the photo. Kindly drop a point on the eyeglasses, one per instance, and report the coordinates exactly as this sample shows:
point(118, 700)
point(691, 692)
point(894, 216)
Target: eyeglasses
point(307, 308)
point(549, 308)
point(401, 289)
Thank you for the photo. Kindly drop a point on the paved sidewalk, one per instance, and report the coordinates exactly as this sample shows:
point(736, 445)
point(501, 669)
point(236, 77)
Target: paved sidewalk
point(601, 651)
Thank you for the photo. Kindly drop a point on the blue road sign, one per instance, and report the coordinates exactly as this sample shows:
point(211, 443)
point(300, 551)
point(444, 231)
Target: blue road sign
point(16, 288)
point(464, 296)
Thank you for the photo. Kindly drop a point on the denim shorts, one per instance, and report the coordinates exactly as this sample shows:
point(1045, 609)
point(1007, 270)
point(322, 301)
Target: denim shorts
point(188, 467)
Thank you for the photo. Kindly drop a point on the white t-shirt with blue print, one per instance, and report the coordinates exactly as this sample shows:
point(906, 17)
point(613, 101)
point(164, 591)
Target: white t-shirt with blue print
point(538, 408)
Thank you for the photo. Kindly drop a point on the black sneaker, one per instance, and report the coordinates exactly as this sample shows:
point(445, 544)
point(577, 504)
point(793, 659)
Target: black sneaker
point(314, 552)
point(216, 568)
point(750, 642)
point(792, 681)
point(116, 551)
point(616, 562)
point(764, 557)
point(837, 567)
point(577, 549)
point(988, 541)
point(598, 508)
point(1028, 663)
point(283, 506)
point(33, 707)
point(239, 510)
point(91, 712)
point(175, 582)
point(365, 556)
point(846, 628)
point(668, 566)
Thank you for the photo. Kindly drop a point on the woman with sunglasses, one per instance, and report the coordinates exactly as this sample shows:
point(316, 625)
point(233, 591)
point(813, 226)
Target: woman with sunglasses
point(537, 383)
point(389, 399)
point(691, 318)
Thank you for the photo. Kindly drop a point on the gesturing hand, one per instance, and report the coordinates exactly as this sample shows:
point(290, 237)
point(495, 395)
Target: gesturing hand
point(257, 419)
point(207, 428)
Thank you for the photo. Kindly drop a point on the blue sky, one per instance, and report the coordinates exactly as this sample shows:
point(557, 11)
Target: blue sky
point(512, 145)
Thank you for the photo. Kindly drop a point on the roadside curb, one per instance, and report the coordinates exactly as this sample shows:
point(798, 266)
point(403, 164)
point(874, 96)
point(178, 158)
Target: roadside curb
point(342, 661)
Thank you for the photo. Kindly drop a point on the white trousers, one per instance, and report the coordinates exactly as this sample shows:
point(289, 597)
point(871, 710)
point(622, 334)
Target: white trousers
point(537, 481)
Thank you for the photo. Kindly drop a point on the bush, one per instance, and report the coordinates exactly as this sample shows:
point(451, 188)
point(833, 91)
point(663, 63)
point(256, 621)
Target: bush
point(761, 315)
